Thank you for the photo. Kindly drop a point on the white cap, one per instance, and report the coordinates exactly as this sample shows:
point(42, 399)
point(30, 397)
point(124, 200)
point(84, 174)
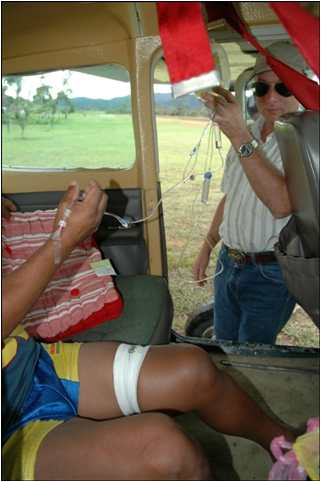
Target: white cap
point(287, 53)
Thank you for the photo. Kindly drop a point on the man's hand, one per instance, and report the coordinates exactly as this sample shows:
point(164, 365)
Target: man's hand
point(7, 207)
point(85, 215)
point(227, 115)
point(201, 263)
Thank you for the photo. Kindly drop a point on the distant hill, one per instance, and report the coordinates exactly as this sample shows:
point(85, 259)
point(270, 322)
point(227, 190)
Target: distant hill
point(165, 104)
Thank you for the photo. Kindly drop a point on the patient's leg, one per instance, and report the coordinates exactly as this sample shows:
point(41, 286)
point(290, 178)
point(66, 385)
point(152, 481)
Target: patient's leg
point(175, 377)
point(184, 378)
point(141, 447)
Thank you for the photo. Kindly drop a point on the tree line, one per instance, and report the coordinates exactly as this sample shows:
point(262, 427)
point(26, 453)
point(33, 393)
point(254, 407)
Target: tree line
point(46, 109)
point(43, 108)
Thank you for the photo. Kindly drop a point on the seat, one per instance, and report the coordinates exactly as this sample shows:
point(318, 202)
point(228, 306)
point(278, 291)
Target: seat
point(298, 249)
point(147, 315)
point(148, 308)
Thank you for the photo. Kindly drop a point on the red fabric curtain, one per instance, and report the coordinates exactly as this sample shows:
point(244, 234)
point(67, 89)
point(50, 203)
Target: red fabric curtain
point(304, 30)
point(188, 54)
point(304, 89)
point(185, 40)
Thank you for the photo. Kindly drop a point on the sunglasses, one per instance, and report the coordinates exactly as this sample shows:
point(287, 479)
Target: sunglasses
point(261, 89)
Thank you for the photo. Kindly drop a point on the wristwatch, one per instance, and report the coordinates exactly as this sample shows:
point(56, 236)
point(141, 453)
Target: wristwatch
point(247, 149)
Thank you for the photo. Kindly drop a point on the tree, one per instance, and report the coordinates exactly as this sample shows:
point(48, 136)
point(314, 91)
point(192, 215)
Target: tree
point(43, 107)
point(44, 104)
point(47, 106)
point(64, 104)
point(14, 108)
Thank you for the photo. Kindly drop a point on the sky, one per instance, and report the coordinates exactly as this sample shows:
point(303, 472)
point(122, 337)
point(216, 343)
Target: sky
point(81, 85)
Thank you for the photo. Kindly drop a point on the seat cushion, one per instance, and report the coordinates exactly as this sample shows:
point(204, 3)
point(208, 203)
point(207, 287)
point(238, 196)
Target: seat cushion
point(78, 297)
point(147, 315)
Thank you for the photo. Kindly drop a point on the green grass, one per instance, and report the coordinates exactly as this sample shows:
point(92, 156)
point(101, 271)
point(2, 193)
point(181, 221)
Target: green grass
point(89, 140)
point(99, 140)
point(186, 218)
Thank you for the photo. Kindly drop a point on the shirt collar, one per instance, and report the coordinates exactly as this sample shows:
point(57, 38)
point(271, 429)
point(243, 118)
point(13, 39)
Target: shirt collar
point(257, 127)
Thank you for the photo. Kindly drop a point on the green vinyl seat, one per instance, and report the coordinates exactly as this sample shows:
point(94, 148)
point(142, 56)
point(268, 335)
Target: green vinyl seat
point(147, 314)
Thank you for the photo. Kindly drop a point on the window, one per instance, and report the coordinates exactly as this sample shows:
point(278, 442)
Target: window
point(68, 119)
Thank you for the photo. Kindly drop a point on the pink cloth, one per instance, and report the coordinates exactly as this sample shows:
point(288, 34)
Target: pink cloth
point(74, 293)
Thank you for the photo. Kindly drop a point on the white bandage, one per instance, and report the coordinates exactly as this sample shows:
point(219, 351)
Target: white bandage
point(127, 363)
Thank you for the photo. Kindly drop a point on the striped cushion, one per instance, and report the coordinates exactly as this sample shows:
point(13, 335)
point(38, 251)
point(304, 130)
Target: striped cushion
point(76, 298)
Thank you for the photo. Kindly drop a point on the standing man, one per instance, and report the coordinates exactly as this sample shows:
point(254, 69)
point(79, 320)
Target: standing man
point(252, 303)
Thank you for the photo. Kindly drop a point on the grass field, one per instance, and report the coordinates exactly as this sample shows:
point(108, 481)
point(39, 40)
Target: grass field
point(89, 139)
point(99, 140)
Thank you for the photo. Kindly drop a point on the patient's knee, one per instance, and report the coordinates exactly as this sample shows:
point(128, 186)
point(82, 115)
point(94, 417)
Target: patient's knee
point(196, 373)
point(172, 455)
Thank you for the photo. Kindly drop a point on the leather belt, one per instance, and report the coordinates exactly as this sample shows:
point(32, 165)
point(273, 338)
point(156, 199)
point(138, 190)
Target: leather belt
point(243, 258)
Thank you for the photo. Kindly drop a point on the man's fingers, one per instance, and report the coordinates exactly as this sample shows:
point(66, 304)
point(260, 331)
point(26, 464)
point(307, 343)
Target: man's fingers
point(226, 94)
point(95, 199)
point(72, 193)
point(209, 99)
point(90, 186)
point(201, 281)
point(101, 207)
point(196, 271)
point(199, 275)
point(103, 203)
point(93, 194)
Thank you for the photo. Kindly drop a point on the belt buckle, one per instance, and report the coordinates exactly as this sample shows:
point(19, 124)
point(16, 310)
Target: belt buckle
point(237, 256)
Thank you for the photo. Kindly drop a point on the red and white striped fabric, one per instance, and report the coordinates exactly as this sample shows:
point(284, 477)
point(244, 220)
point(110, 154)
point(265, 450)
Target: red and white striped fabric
point(76, 298)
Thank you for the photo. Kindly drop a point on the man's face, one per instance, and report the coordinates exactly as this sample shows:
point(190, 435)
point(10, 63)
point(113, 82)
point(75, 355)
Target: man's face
point(272, 105)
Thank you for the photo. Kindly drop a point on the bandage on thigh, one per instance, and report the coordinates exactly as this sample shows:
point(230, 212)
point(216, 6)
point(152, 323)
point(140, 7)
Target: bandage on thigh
point(127, 364)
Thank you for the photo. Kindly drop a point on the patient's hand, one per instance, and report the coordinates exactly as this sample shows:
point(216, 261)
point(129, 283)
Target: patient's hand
point(85, 215)
point(7, 207)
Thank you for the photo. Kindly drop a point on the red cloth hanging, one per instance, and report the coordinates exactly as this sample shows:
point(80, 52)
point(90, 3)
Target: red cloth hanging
point(186, 46)
point(304, 30)
point(305, 90)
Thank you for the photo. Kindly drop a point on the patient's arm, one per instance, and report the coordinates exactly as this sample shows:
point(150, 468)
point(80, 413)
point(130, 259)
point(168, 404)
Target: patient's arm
point(22, 287)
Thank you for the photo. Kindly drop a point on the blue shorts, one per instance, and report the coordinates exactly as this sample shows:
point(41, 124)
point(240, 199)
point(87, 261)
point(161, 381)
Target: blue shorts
point(52, 400)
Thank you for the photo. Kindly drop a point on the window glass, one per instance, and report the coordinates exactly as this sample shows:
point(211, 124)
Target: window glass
point(68, 119)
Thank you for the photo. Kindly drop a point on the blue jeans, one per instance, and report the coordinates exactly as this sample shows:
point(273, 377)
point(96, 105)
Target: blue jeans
point(251, 301)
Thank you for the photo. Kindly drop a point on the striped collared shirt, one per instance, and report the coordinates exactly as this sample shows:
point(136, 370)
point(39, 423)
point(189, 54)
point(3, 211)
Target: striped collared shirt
point(248, 225)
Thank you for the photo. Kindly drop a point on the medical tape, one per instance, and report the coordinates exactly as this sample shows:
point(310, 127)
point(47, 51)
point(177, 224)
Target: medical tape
point(127, 364)
point(56, 236)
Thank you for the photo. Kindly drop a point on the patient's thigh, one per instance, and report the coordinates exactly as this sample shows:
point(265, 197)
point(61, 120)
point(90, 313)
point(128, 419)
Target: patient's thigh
point(127, 448)
point(166, 380)
point(96, 396)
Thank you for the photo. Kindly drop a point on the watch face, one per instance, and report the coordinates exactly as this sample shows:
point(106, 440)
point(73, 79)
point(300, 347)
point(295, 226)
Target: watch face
point(246, 150)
